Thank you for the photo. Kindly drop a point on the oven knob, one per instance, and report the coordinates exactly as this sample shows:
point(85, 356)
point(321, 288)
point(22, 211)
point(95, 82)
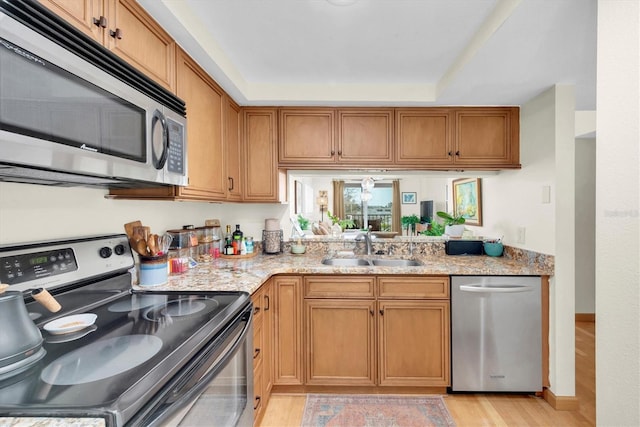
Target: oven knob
point(119, 249)
point(105, 252)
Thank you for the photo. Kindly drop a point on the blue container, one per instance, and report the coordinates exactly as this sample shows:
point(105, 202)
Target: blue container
point(493, 249)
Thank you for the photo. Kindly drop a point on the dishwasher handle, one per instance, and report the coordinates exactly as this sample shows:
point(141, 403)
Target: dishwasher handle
point(495, 289)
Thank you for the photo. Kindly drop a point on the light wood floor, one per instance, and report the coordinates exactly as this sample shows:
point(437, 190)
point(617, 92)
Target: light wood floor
point(487, 409)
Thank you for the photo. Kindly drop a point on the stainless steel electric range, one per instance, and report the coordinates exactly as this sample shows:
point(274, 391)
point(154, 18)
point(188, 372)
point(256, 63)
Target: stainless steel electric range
point(149, 358)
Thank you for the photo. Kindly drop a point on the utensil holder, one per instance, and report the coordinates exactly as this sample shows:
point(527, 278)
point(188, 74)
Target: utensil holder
point(153, 270)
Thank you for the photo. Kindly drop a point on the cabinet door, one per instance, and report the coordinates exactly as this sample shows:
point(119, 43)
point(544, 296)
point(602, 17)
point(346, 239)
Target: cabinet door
point(487, 136)
point(339, 336)
point(365, 136)
point(307, 136)
point(233, 150)
point(261, 177)
point(413, 339)
point(267, 341)
point(134, 36)
point(85, 15)
point(423, 136)
point(287, 330)
point(204, 99)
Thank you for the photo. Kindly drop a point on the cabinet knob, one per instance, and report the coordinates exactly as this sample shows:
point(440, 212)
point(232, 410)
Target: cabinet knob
point(256, 309)
point(116, 34)
point(457, 153)
point(100, 22)
point(371, 311)
point(333, 152)
point(449, 153)
point(381, 312)
point(339, 152)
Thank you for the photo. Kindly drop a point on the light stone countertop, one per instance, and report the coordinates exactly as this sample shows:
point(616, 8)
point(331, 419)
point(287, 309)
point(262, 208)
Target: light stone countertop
point(247, 274)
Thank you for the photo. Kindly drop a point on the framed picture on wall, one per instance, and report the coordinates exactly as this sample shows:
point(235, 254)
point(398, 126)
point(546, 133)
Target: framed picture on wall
point(467, 200)
point(409, 198)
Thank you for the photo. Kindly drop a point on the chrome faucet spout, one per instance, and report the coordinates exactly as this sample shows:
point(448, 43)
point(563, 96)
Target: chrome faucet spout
point(367, 239)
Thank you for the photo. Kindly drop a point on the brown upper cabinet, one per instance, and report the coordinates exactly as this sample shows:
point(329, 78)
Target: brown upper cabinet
point(233, 149)
point(123, 27)
point(326, 137)
point(263, 182)
point(206, 106)
point(458, 138)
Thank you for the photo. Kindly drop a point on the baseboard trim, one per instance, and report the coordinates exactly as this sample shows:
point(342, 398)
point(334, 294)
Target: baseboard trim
point(586, 317)
point(561, 403)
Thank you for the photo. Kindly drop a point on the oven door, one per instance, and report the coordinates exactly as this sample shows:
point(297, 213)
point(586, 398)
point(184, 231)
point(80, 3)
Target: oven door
point(214, 389)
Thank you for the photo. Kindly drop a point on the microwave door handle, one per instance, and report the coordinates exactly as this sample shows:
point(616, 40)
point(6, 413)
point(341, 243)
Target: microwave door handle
point(160, 152)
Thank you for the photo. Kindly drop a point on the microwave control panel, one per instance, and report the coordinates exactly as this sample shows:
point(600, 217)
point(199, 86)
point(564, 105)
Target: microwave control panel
point(175, 156)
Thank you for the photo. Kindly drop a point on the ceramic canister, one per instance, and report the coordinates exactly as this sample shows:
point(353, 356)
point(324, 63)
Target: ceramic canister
point(153, 270)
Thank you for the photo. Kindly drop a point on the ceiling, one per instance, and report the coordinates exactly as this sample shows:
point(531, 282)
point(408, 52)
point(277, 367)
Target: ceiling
point(388, 52)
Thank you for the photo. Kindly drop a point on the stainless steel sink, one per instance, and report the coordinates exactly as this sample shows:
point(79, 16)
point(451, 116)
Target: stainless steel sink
point(346, 262)
point(395, 262)
point(379, 262)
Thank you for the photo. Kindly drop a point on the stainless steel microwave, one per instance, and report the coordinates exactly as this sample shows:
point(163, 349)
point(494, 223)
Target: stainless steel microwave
point(72, 113)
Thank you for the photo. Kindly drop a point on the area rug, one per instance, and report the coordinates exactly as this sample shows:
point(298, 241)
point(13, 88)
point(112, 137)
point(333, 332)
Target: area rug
point(333, 410)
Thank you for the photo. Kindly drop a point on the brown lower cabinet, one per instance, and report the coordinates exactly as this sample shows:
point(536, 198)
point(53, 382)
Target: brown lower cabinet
point(262, 349)
point(368, 331)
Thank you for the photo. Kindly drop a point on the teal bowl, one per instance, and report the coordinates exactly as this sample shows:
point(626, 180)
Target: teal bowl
point(493, 249)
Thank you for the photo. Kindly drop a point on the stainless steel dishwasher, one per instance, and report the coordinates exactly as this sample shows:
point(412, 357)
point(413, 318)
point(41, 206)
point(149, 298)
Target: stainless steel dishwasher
point(496, 334)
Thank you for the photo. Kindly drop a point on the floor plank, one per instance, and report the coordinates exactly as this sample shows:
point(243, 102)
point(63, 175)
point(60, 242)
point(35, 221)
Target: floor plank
point(286, 410)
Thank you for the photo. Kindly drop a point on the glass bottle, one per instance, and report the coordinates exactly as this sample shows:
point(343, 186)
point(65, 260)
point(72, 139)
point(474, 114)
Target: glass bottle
point(228, 238)
point(237, 240)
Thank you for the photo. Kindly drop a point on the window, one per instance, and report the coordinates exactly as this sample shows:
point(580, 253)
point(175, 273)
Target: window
point(378, 209)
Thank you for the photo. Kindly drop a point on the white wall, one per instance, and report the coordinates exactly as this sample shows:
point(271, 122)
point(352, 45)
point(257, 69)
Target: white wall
point(617, 217)
point(585, 225)
point(34, 212)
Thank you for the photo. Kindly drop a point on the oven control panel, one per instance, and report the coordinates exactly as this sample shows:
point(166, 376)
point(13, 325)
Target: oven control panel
point(58, 263)
point(22, 268)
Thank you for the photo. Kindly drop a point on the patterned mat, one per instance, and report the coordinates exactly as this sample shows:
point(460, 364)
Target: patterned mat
point(331, 410)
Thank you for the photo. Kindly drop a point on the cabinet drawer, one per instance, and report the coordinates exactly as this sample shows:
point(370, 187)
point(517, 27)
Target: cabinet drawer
point(413, 287)
point(339, 287)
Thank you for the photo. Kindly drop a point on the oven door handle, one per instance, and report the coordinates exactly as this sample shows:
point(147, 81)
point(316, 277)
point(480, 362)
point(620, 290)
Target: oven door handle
point(174, 401)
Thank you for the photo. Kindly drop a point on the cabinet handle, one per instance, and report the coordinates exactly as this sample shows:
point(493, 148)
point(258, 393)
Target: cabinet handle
point(268, 303)
point(257, 403)
point(457, 153)
point(381, 312)
point(256, 352)
point(339, 152)
point(100, 22)
point(230, 183)
point(371, 311)
point(117, 34)
point(256, 309)
point(449, 153)
point(333, 152)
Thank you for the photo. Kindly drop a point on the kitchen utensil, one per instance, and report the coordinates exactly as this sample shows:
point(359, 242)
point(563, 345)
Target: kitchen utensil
point(128, 227)
point(141, 247)
point(152, 244)
point(165, 242)
point(46, 299)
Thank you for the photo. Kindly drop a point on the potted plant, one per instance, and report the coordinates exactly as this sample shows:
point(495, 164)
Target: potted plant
point(342, 223)
point(410, 221)
point(303, 222)
point(454, 224)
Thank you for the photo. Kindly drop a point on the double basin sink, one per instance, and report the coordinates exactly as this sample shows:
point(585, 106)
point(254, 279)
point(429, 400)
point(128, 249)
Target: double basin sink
point(377, 262)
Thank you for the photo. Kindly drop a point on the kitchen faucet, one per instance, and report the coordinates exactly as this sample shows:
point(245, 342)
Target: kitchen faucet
point(367, 239)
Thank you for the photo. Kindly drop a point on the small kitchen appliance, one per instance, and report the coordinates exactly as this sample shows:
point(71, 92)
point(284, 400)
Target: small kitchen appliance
point(73, 113)
point(115, 355)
